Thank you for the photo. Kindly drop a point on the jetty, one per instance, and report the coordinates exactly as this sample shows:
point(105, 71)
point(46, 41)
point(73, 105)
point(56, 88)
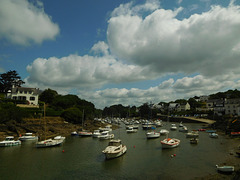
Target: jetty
point(187, 119)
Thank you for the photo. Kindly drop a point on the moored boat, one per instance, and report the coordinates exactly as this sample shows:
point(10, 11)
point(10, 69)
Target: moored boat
point(192, 134)
point(114, 149)
point(96, 133)
point(131, 130)
point(225, 168)
point(194, 140)
point(85, 133)
point(170, 143)
point(27, 137)
point(49, 143)
point(152, 134)
point(164, 131)
point(213, 135)
point(173, 127)
point(9, 141)
point(106, 135)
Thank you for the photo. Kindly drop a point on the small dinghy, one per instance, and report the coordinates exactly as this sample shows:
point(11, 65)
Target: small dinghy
point(226, 169)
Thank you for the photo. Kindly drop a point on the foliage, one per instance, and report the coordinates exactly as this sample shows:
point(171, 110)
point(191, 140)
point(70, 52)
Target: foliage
point(73, 115)
point(48, 96)
point(228, 94)
point(8, 79)
point(9, 112)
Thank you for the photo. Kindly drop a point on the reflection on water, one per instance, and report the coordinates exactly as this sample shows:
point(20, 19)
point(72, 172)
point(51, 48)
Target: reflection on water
point(82, 158)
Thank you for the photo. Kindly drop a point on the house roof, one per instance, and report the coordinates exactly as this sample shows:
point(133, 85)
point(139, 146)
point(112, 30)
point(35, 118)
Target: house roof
point(34, 90)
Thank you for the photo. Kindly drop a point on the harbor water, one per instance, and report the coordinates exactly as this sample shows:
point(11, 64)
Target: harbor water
point(82, 158)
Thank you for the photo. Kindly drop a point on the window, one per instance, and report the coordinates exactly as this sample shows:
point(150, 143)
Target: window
point(32, 98)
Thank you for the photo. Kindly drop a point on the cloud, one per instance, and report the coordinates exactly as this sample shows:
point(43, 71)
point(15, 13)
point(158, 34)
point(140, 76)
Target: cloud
point(83, 72)
point(23, 23)
point(168, 45)
point(168, 90)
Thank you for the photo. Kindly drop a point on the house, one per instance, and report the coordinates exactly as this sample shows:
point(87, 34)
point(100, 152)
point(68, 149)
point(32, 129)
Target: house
point(24, 93)
point(217, 105)
point(232, 106)
point(183, 106)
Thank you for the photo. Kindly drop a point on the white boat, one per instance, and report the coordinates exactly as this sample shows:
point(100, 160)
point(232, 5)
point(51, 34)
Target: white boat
point(27, 137)
point(170, 143)
point(59, 138)
point(57, 141)
point(164, 131)
point(114, 149)
point(183, 129)
point(96, 133)
point(85, 133)
point(131, 130)
point(192, 134)
point(180, 124)
point(225, 168)
point(158, 123)
point(9, 141)
point(74, 133)
point(173, 127)
point(107, 128)
point(213, 135)
point(106, 135)
point(152, 134)
point(49, 143)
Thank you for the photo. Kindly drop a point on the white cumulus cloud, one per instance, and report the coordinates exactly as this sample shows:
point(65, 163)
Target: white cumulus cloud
point(23, 23)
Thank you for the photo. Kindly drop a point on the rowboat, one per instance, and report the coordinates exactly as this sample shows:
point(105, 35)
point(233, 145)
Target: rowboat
point(225, 168)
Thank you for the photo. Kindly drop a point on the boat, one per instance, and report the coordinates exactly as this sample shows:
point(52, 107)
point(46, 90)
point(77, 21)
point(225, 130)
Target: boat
point(114, 149)
point(49, 143)
point(193, 140)
point(192, 134)
point(59, 138)
point(170, 143)
point(106, 135)
point(152, 134)
point(85, 133)
point(9, 141)
point(131, 130)
point(96, 133)
point(148, 126)
point(211, 131)
point(238, 153)
point(158, 123)
point(225, 168)
point(74, 133)
point(28, 137)
point(213, 135)
point(106, 128)
point(164, 131)
point(173, 127)
point(183, 129)
point(181, 124)
point(57, 141)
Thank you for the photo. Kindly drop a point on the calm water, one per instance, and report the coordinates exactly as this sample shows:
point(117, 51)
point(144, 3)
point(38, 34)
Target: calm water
point(145, 159)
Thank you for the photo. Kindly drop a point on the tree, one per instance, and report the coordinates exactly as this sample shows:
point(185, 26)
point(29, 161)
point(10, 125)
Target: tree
point(8, 79)
point(48, 96)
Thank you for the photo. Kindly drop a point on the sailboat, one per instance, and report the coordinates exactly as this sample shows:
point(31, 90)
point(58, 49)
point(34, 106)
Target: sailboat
point(49, 142)
point(84, 133)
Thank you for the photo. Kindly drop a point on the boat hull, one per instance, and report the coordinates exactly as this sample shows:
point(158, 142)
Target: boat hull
point(116, 154)
point(168, 144)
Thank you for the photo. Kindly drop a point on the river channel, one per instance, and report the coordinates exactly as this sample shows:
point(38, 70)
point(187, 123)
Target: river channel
point(82, 158)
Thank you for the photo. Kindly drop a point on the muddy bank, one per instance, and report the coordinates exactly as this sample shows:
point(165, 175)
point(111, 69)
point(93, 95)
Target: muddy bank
point(231, 159)
point(53, 126)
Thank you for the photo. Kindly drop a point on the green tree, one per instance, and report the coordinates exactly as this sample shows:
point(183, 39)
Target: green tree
point(73, 115)
point(8, 79)
point(48, 96)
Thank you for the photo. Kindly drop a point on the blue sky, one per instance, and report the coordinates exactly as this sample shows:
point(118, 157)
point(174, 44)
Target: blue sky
point(121, 51)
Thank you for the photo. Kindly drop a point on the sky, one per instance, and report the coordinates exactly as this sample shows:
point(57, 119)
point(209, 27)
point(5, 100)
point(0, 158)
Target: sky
point(124, 52)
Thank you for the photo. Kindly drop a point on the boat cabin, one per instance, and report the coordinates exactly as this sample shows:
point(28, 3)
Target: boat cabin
point(114, 143)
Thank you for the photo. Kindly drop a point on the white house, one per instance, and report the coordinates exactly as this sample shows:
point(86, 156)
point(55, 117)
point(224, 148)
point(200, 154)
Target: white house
point(24, 93)
point(232, 106)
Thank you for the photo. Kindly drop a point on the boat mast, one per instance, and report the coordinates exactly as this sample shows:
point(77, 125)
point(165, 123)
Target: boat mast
point(82, 118)
point(44, 119)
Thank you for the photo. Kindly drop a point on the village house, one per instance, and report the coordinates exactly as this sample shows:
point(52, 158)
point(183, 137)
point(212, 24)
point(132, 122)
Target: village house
point(24, 93)
point(232, 106)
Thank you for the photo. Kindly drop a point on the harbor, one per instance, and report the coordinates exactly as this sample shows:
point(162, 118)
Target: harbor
point(82, 158)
